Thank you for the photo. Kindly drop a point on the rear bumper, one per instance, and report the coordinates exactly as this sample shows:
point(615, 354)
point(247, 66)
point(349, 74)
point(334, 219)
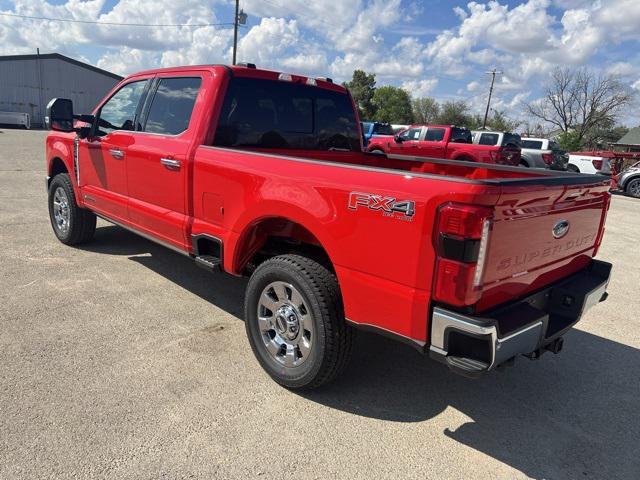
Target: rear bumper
point(471, 345)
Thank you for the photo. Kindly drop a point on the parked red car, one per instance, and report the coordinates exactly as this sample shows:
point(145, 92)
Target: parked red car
point(260, 173)
point(444, 141)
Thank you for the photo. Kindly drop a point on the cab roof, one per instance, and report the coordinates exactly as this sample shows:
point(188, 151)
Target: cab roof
point(247, 70)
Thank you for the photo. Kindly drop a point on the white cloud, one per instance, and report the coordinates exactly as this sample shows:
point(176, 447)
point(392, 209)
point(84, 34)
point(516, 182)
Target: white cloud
point(420, 88)
point(265, 42)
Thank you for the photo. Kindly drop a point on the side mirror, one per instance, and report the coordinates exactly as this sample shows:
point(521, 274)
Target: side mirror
point(398, 139)
point(59, 115)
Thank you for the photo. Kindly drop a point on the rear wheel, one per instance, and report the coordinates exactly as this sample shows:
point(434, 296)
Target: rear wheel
point(633, 188)
point(524, 164)
point(295, 322)
point(377, 151)
point(71, 224)
point(572, 168)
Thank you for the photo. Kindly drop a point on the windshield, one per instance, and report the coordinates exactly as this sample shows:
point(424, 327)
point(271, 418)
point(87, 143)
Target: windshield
point(382, 129)
point(284, 115)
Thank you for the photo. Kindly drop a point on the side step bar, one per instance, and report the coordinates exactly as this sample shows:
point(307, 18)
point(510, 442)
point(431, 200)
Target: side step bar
point(207, 250)
point(209, 262)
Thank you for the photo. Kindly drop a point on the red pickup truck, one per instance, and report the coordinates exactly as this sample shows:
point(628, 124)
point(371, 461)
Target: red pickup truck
point(260, 173)
point(445, 141)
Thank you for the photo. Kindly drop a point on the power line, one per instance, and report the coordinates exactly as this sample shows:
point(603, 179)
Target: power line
point(69, 20)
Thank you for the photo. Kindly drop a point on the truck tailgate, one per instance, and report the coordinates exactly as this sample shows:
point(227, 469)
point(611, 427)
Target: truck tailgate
point(540, 235)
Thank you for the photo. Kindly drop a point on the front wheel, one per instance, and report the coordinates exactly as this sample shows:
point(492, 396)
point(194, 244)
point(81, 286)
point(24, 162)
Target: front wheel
point(295, 322)
point(71, 224)
point(633, 188)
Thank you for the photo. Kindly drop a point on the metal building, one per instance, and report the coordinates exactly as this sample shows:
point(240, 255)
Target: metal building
point(28, 82)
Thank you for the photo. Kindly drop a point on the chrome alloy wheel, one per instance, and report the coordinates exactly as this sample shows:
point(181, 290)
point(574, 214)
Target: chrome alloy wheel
point(634, 188)
point(285, 323)
point(61, 213)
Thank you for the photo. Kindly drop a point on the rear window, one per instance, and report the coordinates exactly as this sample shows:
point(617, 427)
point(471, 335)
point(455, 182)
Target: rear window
point(533, 144)
point(276, 114)
point(382, 129)
point(434, 134)
point(460, 135)
point(511, 139)
point(172, 105)
point(490, 139)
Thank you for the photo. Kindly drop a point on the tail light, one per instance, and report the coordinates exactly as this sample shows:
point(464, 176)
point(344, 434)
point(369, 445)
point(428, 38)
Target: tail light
point(597, 164)
point(505, 156)
point(547, 158)
point(461, 237)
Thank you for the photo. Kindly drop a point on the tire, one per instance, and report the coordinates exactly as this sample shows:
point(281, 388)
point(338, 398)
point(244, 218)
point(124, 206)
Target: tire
point(572, 168)
point(71, 224)
point(524, 164)
point(377, 151)
point(295, 323)
point(633, 188)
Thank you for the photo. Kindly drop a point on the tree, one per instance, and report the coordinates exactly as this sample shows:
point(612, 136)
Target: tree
point(362, 87)
point(579, 101)
point(569, 141)
point(455, 112)
point(425, 110)
point(603, 134)
point(392, 105)
point(501, 123)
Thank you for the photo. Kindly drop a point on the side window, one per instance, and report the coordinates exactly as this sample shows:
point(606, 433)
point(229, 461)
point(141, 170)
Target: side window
point(435, 134)
point(120, 110)
point(411, 134)
point(490, 139)
point(172, 105)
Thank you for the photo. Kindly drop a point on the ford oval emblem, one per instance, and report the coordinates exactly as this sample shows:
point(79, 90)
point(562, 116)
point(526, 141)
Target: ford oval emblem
point(560, 229)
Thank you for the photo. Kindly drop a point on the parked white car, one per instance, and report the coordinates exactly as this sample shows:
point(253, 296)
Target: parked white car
point(16, 119)
point(589, 162)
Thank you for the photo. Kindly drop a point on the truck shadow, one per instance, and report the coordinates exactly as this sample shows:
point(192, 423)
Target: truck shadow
point(574, 415)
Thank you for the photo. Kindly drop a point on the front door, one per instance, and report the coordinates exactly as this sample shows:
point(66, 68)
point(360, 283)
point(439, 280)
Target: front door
point(409, 142)
point(102, 156)
point(157, 161)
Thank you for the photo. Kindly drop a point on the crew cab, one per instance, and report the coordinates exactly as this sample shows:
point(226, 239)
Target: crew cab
point(261, 174)
point(444, 141)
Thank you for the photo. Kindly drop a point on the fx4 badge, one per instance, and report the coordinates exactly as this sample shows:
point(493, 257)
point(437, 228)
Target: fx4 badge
point(389, 206)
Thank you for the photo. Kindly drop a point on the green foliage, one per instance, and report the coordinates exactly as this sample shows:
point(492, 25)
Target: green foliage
point(392, 105)
point(501, 123)
point(362, 87)
point(425, 110)
point(570, 141)
point(455, 112)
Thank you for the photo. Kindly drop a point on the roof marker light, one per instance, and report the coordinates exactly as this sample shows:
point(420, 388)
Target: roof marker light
point(285, 77)
point(311, 81)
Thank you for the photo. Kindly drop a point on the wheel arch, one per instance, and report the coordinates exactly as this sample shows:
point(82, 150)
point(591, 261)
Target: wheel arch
point(270, 236)
point(629, 179)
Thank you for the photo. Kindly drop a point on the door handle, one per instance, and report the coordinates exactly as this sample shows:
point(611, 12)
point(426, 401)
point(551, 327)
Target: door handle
point(170, 163)
point(116, 153)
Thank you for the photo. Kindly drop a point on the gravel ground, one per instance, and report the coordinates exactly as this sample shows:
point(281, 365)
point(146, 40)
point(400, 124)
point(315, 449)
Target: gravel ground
point(122, 359)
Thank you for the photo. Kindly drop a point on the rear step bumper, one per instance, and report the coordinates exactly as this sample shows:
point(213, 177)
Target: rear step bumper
point(471, 345)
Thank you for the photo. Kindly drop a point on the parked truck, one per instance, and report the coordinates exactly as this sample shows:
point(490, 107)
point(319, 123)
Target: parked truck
point(261, 174)
point(444, 141)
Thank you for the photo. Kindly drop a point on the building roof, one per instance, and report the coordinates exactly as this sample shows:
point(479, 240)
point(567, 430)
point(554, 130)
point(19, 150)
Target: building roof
point(631, 138)
point(46, 56)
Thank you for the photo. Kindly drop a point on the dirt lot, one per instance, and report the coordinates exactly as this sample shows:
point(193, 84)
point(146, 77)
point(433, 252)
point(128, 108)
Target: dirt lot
point(122, 359)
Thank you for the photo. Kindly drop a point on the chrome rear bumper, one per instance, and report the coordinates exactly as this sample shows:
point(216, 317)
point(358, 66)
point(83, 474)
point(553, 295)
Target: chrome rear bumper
point(474, 344)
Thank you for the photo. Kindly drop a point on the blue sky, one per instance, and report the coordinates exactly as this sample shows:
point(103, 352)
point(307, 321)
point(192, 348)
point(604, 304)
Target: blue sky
point(438, 48)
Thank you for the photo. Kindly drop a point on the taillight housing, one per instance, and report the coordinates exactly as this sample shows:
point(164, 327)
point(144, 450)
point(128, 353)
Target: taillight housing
point(547, 158)
point(461, 237)
point(597, 164)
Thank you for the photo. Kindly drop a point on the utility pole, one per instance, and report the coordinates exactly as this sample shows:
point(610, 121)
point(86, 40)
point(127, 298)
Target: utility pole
point(493, 74)
point(235, 31)
point(240, 18)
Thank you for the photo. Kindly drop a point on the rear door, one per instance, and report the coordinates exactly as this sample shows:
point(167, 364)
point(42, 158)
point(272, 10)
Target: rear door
point(102, 157)
point(433, 143)
point(158, 161)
